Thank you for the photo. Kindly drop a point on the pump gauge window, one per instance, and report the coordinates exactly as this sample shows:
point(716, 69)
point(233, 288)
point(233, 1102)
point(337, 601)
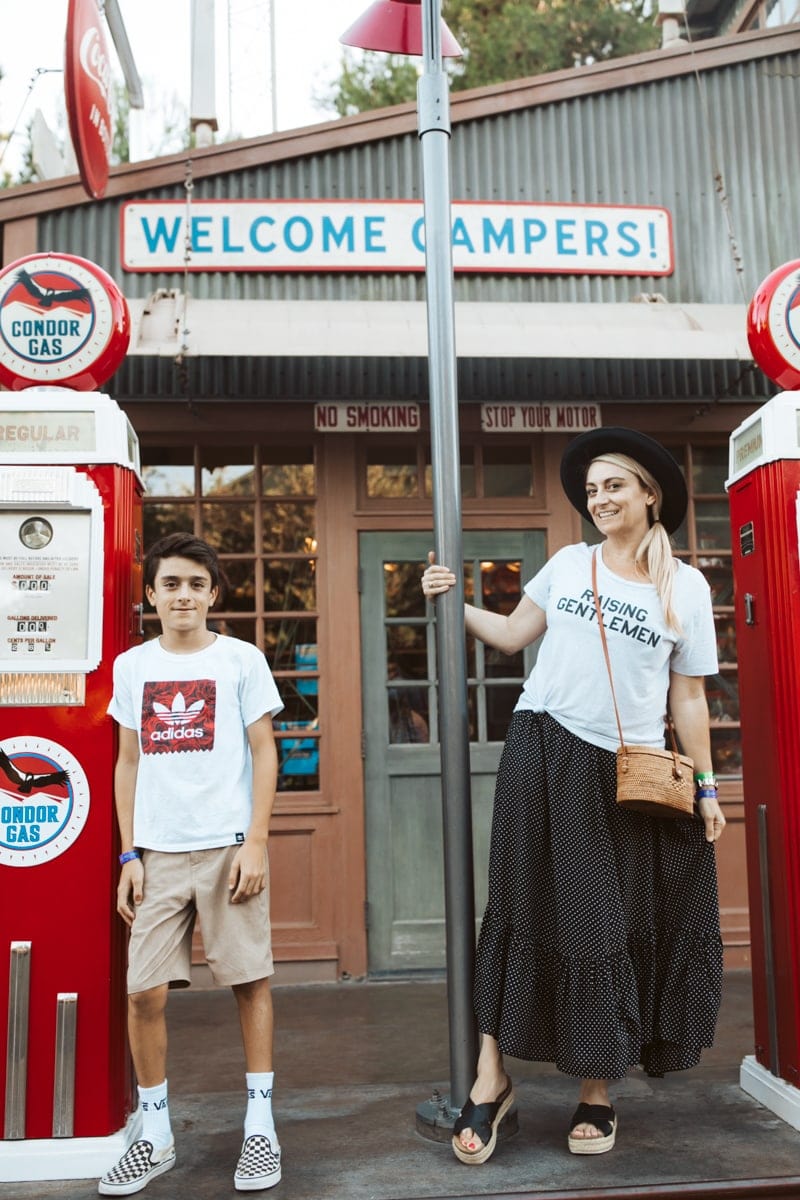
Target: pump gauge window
point(36, 533)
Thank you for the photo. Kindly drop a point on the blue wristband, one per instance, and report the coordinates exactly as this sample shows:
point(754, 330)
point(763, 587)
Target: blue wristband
point(128, 856)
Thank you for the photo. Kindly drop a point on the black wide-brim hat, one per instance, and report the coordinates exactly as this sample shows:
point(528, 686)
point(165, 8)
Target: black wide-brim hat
point(645, 450)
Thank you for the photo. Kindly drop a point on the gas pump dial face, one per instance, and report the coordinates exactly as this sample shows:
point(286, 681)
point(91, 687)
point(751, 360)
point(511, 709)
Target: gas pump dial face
point(44, 801)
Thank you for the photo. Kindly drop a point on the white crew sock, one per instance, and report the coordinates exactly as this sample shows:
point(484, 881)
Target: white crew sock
point(155, 1116)
point(258, 1118)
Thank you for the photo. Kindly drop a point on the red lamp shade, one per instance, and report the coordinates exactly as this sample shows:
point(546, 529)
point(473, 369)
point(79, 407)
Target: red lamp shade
point(395, 26)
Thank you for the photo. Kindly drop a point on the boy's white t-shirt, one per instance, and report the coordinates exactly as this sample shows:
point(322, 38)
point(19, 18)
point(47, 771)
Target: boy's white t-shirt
point(191, 712)
point(570, 679)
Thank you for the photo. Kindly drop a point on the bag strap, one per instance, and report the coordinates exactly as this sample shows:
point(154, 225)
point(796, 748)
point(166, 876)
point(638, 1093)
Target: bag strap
point(602, 628)
point(598, 610)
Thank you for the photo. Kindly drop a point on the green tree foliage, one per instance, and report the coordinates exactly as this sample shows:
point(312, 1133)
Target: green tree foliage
point(501, 40)
point(371, 81)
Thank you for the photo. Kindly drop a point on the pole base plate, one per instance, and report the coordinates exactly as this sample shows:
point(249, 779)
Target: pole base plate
point(436, 1117)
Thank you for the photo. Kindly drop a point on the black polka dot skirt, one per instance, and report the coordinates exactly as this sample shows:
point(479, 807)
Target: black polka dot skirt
point(600, 946)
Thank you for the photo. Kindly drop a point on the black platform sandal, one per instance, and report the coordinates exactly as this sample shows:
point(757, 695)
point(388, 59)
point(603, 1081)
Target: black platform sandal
point(484, 1121)
point(603, 1117)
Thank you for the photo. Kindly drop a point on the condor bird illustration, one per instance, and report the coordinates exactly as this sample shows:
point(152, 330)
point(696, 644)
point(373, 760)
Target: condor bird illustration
point(47, 297)
point(27, 782)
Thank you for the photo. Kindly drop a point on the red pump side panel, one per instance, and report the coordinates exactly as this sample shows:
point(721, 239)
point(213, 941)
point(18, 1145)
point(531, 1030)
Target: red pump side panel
point(66, 907)
point(766, 566)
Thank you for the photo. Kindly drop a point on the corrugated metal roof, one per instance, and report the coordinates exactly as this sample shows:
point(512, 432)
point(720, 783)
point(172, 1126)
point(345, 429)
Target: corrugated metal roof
point(479, 380)
point(714, 146)
point(717, 153)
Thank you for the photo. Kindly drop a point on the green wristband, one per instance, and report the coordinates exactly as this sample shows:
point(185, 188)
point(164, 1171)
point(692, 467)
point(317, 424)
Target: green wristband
point(704, 777)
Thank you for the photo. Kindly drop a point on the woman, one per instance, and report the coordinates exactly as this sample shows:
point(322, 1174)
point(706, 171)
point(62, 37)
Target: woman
point(600, 944)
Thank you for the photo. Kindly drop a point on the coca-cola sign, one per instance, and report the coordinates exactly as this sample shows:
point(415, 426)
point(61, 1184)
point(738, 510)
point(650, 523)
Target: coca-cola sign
point(87, 80)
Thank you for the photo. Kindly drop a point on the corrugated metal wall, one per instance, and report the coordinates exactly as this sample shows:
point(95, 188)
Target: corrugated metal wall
point(681, 143)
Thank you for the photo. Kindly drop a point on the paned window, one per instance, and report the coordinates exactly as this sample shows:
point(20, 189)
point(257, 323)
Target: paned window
point(497, 471)
point(257, 507)
point(494, 679)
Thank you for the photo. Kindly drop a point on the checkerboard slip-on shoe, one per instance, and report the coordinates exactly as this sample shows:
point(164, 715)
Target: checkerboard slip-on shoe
point(139, 1164)
point(259, 1164)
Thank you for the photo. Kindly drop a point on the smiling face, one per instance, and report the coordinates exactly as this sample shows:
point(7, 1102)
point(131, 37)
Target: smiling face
point(617, 500)
point(182, 595)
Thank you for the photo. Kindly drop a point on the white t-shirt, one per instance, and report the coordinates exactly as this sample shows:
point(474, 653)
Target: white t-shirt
point(191, 712)
point(570, 679)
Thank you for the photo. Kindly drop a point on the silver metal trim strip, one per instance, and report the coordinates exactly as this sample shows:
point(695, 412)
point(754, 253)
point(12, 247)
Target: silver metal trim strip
point(19, 986)
point(64, 1080)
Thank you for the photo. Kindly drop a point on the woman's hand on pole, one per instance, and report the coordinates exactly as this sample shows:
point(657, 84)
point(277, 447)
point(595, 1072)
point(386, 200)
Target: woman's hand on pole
point(436, 579)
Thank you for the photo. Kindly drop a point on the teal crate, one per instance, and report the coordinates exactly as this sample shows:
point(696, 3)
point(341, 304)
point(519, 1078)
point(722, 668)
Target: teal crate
point(305, 659)
point(298, 756)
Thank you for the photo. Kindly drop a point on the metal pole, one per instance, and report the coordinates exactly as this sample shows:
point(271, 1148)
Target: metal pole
point(434, 132)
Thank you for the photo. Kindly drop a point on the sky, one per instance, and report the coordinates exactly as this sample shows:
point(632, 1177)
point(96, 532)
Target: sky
point(307, 50)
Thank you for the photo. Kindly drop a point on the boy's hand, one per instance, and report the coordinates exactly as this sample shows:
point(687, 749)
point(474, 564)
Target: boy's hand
point(130, 889)
point(248, 874)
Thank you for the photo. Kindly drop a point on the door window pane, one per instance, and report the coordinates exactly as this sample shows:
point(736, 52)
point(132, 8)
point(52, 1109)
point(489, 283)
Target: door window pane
point(407, 656)
point(726, 638)
point(160, 519)
point(408, 715)
point(287, 471)
point(501, 587)
point(709, 469)
point(169, 478)
point(720, 579)
point(241, 585)
point(500, 702)
point(298, 755)
point(227, 471)
point(289, 586)
point(402, 586)
point(228, 527)
point(722, 691)
point(289, 527)
point(283, 638)
point(713, 524)
point(466, 472)
point(233, 627)
point(392, 471)
point(726, 751)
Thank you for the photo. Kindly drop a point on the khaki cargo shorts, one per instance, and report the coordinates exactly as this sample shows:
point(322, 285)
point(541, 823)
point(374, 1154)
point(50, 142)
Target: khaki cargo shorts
point(178, 888)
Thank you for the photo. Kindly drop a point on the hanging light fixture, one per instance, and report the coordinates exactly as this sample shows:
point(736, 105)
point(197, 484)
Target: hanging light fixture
point(395, 27)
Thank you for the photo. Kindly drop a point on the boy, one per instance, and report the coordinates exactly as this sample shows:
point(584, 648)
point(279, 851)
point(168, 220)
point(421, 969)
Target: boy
point(194, 786)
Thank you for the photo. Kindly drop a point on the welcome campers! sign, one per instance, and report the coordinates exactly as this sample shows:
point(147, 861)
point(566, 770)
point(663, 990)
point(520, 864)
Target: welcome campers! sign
point(350, 235)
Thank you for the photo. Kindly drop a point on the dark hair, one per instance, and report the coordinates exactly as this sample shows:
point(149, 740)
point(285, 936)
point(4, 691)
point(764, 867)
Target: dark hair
point(185, 545)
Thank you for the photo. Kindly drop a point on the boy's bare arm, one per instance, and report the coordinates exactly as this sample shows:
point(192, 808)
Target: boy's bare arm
point(248, 869)
point(131, 880)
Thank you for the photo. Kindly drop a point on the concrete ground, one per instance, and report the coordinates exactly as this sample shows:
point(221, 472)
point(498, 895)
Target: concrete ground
point(353, 1061)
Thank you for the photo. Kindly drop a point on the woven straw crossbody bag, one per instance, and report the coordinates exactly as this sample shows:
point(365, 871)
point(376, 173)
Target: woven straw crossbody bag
point(657, 782)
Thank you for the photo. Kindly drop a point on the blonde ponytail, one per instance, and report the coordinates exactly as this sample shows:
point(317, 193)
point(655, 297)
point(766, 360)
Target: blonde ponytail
point(654, 552)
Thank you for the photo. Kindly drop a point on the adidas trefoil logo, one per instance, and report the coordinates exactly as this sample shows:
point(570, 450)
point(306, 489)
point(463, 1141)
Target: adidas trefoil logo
point(177, 718)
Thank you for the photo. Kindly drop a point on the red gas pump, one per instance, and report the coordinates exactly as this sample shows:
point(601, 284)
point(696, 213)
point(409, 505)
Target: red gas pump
point(764, 495)
point(70, 566)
